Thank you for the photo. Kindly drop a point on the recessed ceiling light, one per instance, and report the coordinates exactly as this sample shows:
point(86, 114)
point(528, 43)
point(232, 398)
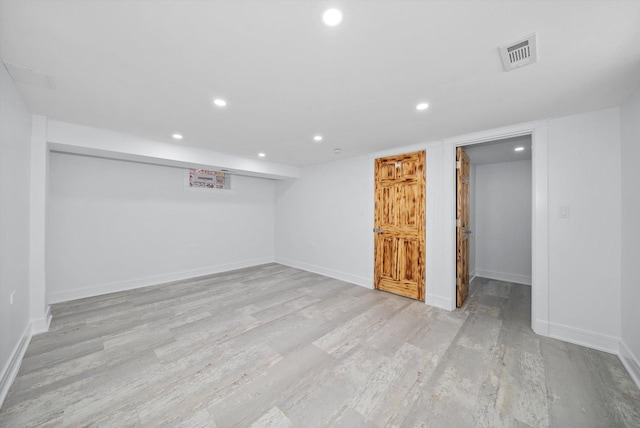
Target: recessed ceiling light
point(317, 138)
point(519, 149)
point(332, 17)
point(177, 136)
point(262, 154)
point(220, 102)
point(422, 106)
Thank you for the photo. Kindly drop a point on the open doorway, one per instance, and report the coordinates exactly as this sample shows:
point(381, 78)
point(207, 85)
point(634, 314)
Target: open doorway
point(494, 213)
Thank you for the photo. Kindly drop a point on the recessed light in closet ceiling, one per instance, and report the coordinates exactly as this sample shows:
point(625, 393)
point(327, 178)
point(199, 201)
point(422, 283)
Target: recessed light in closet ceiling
point(332, 17)
point(220, 102)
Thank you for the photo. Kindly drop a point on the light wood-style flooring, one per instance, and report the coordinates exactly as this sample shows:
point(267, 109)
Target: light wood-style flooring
point(273, 346)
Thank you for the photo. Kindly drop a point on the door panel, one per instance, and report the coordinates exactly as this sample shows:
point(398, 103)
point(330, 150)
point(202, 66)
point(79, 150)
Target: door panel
point(409, 168)
point(387, 213)
point(399, 224)
point(387, 170)
point(388, 267)
point(409, 195)
point(462, 226)
point(408, 268)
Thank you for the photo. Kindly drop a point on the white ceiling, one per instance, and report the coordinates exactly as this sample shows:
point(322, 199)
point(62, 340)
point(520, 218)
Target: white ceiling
point(500, 151)
point(151, 68)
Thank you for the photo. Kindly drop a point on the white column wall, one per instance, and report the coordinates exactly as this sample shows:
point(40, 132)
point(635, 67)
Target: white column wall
point(15, 139)
point(585, 248)
point(630, 315)
point(40, 311)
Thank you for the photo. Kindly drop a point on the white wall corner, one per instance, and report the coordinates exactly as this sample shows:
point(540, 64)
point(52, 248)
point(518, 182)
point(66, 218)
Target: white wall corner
point(41, 325)
point(441, 302)
point(540, 327)
point(10, 370)
point(504, 276)
point(631, 362)
point(590, 339)
point(342, 276)
point(37, 219)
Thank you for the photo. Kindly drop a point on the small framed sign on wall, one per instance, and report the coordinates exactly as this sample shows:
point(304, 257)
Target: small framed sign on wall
point(203, 178)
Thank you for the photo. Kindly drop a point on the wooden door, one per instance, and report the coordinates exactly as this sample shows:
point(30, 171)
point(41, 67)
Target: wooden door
point(400, 225)
point(462, 226)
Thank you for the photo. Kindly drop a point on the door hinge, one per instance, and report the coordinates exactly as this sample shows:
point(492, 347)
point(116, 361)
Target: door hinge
point(458, 223)
point(458, 164)
point(458, 281)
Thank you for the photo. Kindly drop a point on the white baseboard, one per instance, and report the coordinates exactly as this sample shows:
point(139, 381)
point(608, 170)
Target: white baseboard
point(601, 342)
point(631, 362)
point(503, 276)
point(113, 287)
point(432, 300)
point(41, 325)
point(10, 369)
point(342, 276)
point(472, 276)
point(439, 302)
point(541, 327)
point(598, 341)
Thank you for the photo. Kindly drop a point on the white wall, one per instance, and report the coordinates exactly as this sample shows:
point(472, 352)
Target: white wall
point(114, 225)
point(324, 220)
point(472, 221)
point(503, 221)
point(15, 138)
point(40, 310)
point(585, 248)
point(630, 127)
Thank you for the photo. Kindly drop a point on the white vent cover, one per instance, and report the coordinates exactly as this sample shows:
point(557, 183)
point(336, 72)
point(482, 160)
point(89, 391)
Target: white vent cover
point(520, 53)
point(30, 77)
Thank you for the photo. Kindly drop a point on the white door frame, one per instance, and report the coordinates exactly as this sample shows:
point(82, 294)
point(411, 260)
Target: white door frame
point(539, 217)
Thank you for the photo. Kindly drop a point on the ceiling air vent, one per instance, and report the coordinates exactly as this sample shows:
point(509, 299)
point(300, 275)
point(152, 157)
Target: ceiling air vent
point(30, 77)
point(518, 54)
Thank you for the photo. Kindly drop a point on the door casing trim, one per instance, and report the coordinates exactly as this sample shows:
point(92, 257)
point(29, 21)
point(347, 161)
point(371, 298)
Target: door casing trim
point(539, 218)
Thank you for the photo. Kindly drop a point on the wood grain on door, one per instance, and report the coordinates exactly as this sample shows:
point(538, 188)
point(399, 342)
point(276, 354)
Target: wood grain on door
point(462, 226)
point(400, 225)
